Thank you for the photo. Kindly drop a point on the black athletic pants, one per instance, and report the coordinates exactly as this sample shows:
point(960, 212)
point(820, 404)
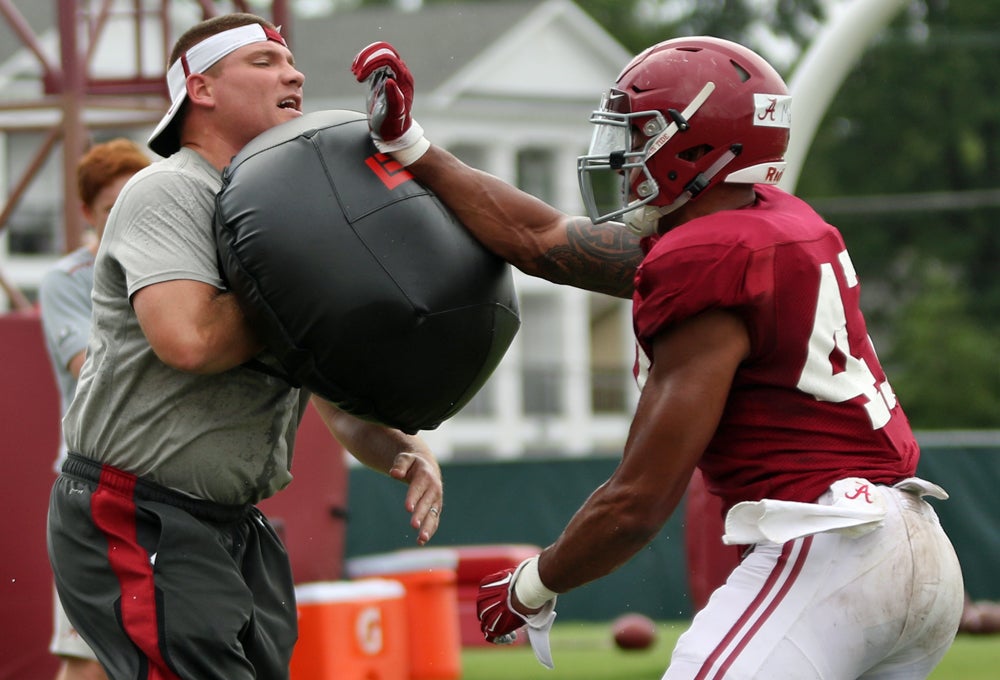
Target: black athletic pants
point(164, 586)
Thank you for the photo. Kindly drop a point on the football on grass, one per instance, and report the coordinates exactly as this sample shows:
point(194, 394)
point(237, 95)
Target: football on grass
point(634, 631)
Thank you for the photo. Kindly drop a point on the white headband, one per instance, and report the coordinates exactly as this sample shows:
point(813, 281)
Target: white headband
point(198, 59)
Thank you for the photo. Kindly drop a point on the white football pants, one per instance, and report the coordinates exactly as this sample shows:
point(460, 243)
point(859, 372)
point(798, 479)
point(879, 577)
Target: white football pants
point(830, 607)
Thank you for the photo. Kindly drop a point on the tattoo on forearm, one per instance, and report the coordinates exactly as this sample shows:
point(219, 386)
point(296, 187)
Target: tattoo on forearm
point(601, 258)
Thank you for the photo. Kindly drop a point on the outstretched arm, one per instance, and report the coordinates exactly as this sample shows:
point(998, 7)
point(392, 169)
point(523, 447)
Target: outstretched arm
point(530, 234)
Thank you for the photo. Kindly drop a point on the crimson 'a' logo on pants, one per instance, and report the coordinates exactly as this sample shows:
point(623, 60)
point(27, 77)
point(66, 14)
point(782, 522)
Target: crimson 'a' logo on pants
point(388, 169)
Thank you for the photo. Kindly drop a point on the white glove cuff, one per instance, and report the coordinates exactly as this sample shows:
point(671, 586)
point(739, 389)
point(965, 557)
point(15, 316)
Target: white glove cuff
point(412, 153)
point(408, 148)
point(528, 586)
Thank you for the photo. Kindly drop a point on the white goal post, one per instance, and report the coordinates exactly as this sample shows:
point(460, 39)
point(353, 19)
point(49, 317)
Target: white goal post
point(822, 70)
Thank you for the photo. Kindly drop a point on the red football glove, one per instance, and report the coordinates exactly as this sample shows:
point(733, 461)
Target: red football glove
point(390, 97)
point(497, 620)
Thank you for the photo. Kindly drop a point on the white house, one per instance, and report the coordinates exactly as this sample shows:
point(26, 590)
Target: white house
point(508, 87)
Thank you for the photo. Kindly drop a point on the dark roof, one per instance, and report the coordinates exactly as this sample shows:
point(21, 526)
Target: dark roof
point(436, 41)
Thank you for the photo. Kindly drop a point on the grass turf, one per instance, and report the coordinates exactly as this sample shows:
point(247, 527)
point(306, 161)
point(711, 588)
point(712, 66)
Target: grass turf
point(585, 650)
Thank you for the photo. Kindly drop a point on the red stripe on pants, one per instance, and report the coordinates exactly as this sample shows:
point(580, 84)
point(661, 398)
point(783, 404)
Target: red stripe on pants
point(780, 567)
point(113, 508)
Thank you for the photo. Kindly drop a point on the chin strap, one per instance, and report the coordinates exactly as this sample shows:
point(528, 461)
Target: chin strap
point(644, 219)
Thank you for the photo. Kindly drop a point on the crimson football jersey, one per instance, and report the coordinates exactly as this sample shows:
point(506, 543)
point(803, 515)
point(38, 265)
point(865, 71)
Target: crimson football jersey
point(811, 404)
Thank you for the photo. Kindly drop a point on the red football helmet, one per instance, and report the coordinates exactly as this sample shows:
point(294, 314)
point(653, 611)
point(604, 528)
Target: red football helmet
point(684, 115)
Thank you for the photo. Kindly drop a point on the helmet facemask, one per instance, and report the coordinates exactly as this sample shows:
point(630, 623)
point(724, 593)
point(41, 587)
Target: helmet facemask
point(617, 132)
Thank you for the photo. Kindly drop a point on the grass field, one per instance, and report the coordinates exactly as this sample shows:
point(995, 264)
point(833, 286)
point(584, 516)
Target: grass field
point(586, 651)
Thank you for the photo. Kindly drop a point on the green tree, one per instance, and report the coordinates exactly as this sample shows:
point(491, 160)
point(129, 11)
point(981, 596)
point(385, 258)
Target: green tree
point(911, 149)
point(945, 361)
point(638, 24)
point(915, 118)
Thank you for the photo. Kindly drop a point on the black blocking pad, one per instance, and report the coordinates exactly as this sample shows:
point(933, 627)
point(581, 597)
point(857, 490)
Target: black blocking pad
point(366, 289)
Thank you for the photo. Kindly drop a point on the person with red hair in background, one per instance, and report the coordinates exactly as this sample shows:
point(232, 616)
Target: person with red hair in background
point(64, 301)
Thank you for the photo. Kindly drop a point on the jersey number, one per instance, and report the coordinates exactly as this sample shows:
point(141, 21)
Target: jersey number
point(832, 372)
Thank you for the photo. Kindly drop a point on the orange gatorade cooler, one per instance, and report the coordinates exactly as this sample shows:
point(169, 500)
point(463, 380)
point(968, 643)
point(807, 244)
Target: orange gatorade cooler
point(351, 631)
point(471, 563)
point(431, 607)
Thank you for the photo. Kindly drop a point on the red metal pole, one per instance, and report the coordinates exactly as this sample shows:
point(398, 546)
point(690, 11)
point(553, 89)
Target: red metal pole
point(74, 135)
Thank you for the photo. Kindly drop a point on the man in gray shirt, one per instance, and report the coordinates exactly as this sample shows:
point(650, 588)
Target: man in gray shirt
point(161, 559)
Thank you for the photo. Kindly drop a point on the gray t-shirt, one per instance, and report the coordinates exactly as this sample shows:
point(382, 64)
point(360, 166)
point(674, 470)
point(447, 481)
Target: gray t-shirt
point(64, 298)
point(226, 437)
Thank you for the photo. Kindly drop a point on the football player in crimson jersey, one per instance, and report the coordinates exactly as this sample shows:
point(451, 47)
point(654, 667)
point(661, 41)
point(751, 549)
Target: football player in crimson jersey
point(756, 368)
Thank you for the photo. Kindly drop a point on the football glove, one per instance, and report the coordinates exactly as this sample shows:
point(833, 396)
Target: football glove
point(498, 619)
point(390, 102)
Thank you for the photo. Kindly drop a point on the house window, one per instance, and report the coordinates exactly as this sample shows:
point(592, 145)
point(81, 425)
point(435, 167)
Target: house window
point(31, 231)
point(608, 389)
point(610, 352)
point(542, 366)
point(473, 156)
point(541, 385)
point(536, 173)
point(34, 227)
point(483, 404)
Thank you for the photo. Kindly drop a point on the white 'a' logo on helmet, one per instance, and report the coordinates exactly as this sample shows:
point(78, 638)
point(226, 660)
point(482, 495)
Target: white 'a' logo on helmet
point(772, 110)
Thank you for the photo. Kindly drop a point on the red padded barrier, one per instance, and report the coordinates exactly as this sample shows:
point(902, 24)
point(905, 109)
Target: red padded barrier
point(29, 442)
